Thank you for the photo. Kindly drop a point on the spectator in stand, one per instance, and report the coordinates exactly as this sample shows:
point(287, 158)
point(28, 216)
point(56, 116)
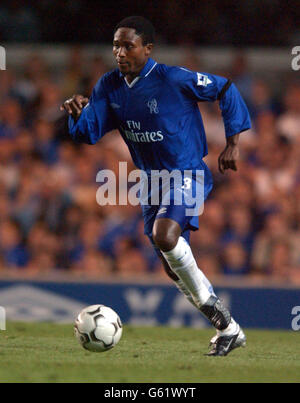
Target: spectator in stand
point(234, 259)
point(239, 230)
point(289, 122)
point(261, 100)
point(129, 259)
point(47, 102)
point(93, 265)
point(97, 68)
point(14, 254)
point(74, 72)
point(7, 85)
point(11, 119)
point(46, 144)
point(276, 239)
point(241, 75)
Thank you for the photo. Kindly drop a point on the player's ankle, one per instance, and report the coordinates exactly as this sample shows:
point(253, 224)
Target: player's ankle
point(231, 329)
point(216, 313)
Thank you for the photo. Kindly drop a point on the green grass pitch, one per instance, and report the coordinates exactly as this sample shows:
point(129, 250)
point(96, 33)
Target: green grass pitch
point(50, 353)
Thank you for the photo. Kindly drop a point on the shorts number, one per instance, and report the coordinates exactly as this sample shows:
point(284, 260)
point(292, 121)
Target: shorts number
point(187, 183)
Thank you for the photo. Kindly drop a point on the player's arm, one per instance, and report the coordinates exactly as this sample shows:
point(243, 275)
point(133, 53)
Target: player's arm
point(211, 88)
point(89, 119)
point(236, 120)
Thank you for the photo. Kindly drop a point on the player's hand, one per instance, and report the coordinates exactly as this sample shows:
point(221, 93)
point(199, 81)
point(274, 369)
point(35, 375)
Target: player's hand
point(228, 158)
point(74, 105)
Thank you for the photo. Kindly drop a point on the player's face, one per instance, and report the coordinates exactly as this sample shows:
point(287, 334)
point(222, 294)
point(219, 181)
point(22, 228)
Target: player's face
point(129, 51)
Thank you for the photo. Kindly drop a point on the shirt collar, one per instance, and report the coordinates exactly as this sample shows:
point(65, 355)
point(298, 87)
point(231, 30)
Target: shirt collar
point(146, 69)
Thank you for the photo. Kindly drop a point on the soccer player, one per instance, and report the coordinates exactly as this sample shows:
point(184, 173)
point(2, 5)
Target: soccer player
point(155, 108)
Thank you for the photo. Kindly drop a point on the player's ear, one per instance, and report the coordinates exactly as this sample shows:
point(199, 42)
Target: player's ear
point(148, 49)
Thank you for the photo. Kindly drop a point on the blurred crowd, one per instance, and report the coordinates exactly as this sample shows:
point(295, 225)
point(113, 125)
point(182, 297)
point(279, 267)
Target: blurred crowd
point(50, 221)
point(214, 22)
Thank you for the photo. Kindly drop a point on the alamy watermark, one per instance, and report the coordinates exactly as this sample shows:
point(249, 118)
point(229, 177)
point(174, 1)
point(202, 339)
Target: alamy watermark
point(155, 188)
point(2, 318)
point(296, 320)
point(2, 58)
point(296, 60)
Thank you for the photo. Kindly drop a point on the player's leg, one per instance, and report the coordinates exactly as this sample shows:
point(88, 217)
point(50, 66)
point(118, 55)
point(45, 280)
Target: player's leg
point(177, 253)
point(241, 340)
point(182, 288)
point(178, 282)
point(171, 274)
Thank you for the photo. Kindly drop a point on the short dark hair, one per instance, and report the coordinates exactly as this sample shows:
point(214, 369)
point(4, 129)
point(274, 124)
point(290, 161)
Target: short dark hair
point(142, 26)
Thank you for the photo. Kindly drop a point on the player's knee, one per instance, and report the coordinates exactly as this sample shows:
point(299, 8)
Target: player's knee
point(165, 239)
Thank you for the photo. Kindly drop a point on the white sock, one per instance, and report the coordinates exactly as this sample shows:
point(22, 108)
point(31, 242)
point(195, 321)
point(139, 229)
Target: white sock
point(182, 262)
point(232, 328)
point(181, 287)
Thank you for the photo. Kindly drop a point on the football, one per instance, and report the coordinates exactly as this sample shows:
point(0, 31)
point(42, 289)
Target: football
point(98, 328)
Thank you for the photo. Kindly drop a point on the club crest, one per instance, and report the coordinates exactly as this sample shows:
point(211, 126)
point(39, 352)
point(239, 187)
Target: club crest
point(152, 105)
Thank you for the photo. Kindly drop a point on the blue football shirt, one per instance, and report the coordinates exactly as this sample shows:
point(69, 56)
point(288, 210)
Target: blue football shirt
point(157, 115)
